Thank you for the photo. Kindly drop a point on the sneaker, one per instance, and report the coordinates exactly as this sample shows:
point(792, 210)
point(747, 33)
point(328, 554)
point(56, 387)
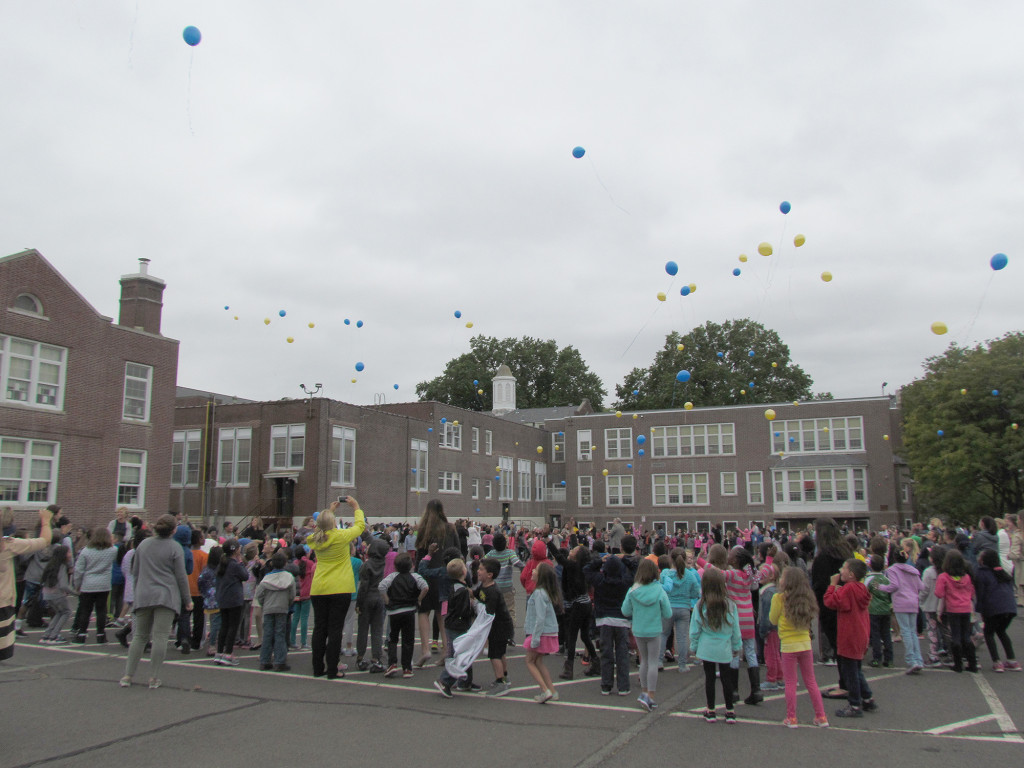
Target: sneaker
point(20, 632)
point(915, 670)
point(1012, 666)
point(821, 722)
point(343, 667)
point(362, 665)
point(125, 682)
point(869, 705)
point(46, 641)
point(730, 717)
point(376, 668)
point(446, 690)
point(350, 651)
point(683, 668)
point(391, 670)
point(606, 691)
point(624, 693)
point(471, 688)
point(293, 647)
point(433, 646)
point(304, 648)
point(281, 668)
point(876, 663)
point(669, 657)
point(644, 702)
point(998, 667)
point(406, 673)
point(849, 712)
point(886, 664)
point(933, 663)
point(154, 683)
point(791, 722)
point(266, 667)
point(498, 688)
point(59, 641)
point(228, 661)
point(544, 698)
point(554, 695)
point(710, 715)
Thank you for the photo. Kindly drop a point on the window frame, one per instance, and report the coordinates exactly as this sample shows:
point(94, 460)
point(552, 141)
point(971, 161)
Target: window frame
point(419, 449)
point(235, 437)
point(147, 400)
point(525, 480)
point(291, 432)
point(449, 482)
point(33, 382)
point(343, 437)
point(619, 482)
point(25, 480)
point(488, 442)
point(451, 436)
point(585, 437)
point(722, 483)
point(760, 486)
point(475, 439)
point(584, 483)
point(618, 445)
point(120, 500)
point(191, 442)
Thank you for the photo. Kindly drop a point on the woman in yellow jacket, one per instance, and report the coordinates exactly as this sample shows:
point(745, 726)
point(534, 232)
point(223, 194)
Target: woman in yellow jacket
point(333, 585)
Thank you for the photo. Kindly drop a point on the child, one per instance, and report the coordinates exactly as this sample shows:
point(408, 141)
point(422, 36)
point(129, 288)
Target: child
point(794, 609)
point(715, 638)
point(56, 586)
point(879, 612)
point(541, 628)
point(611, 580)
point(904, 585)
point(929, 604)
point(208, 589)
point(955, 591)
point(402, 591)
point(231, 575)
point(768, 631)
point(253, 566)
point(996, 605)
point(682, 585)
point(457, 621)
point(508, 560)
point(849, 598)
point(348, 631)
point(93, 571)
point(370, 606)
point(647, 604)
point(488, 595)
point(274, 595)
point(306, 565)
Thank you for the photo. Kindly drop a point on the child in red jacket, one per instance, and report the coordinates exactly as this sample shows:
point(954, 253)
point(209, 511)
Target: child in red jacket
point(848, 596)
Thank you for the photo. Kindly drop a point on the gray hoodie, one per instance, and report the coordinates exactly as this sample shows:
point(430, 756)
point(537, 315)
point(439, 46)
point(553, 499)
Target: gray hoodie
point(276, 592)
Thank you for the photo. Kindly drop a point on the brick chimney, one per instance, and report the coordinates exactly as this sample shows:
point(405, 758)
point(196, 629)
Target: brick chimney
point(142, 300)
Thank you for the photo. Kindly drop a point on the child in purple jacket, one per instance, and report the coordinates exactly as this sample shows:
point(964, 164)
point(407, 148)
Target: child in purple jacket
point(904, 584)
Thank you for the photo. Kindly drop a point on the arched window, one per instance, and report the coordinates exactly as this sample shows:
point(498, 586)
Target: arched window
point(28, 303)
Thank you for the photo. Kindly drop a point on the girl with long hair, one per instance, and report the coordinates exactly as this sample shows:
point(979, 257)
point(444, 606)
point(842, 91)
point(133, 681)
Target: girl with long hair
point(56, 584)
point(716, 640)
point(541, 627)
point(434, 536)
point(794, 609)
point(93, 573)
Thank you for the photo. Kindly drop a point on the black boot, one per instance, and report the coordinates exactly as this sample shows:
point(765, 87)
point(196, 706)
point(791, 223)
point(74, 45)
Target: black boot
point(972, 657)
point(958, 658)
point(755, 697)
point(594, 668)
point(122, 635)
point(567, 670)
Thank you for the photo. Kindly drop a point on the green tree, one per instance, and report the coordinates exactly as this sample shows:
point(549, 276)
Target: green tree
point(545, 375)
point(721, 370)
point(974, 397)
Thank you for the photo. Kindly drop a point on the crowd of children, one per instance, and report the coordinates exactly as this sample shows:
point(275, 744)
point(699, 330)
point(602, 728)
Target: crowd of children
point(755, 603)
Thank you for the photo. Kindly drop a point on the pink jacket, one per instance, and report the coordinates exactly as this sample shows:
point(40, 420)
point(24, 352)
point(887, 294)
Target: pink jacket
point(957, 592)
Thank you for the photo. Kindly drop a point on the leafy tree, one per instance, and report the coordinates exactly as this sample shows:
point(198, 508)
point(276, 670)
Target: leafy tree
point(717, 380)
point(545, 375)
point(975, 467)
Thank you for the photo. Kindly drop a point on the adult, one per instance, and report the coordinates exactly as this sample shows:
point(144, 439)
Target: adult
point(1016, 554)
point(832, 552)
point(119, 525)
point(10, 548)
point(615, 534)
point(333, 584)
point(255, 530)
point(434, 535)
point(1003, 542)
point(473, 539)
point(158, 569)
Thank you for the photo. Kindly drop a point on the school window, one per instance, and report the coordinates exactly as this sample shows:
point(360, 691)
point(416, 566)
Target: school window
point(524, 479)
point(451, 436)
point(618, 443)
point(418, 460)
point(755, 488)
point(131, 478)
point(842, 433)
point(138, 384)
point(728, 483)
point(476, 439)
point(540, 474)
point(488, 490)
point(234, 459)
point(694, 440)
point(558, 447)
point(585, 490)
point(343, 456)
point(449, 482)
point(31, 373)
point(28, 471)
point(26, 302)
point(619, 490)
point(505, 478)
point(584, 445)
point(186, 452)
point(488, 442)
point(679, 489)
point(287, 446)
point(475, 486)
point(820, 485)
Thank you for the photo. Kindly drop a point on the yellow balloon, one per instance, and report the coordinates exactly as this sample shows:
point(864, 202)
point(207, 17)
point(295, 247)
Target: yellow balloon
point(661, 296)
point(604, 472)
point(775, 365)
point(885, 437)
point(236, 317)
point(636, 416)
point(469, 324)
point(688, 406)
point(963, 391)
point(540, 449)
point(799, 240)
point(266, 321)
point(765, 249)
point(826, 277)
point(1014, 425)
point(770, 414)
point(290, 339)
point(353, 381)
point(693, 287)
point(455, 423)
point(312, 325)
point(479, 391)
point(497, 469)
point(618, 414)
point(558, 447)
point(743, 258)
point(939, 328)
point(680, 347)
point(825, 429)
point(796, 402)
point(782, 453)
point(743, 391)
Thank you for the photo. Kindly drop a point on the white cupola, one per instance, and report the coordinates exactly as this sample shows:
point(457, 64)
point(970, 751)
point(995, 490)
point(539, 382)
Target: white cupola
point(503, 391)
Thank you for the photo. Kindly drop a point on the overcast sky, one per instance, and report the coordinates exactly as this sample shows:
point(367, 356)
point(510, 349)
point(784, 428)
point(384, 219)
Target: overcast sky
point(394, 162)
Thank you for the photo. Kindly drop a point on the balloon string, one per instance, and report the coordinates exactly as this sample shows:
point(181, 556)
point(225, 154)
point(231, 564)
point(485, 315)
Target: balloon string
point(593, 166)
point(656, 309)
point(970, 324)
point(188, 97)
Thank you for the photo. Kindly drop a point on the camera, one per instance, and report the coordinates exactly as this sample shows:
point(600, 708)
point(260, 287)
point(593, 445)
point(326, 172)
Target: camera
point(343, 499)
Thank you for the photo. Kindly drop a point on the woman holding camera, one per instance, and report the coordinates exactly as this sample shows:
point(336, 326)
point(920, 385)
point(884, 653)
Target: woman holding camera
point(9, 549)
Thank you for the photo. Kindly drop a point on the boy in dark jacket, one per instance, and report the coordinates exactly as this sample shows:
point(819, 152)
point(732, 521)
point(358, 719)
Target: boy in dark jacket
point(849, 598)
point(611, 580)
point(457, 622)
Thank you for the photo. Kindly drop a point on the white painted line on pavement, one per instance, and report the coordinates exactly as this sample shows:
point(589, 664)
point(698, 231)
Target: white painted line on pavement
point(960, 724)
point(1002, 717)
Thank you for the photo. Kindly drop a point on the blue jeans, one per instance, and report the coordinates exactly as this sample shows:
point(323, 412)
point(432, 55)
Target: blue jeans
point(680, 621)
point(615, 657)
point(911, 645)
point(300, 618)
point(275, 644)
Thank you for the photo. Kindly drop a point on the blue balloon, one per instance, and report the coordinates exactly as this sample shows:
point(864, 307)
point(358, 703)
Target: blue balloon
point(226, 307)
point(641, 439)
point(578, 152)
point(396, 386)
point(563, 483)
point(684, 291)
point(359, 366)
point(736, 271)
point(498, 478)
point(683, 376)
point(281, 313)
point(443, 420)
point(475, 382)
point(458, 314)
point(640, 452)
point(940, 433)
point(998, 261)
point(721, 354)
point(414, 470)
point(750, 353)
point(347, 321)
point(430, 429)
point(192, 35)
point(316, 515)
point(785, 207)
point(629, 466)
point(636, 391)
point(792, 439)
point(359, 323)
point(778, 434)
point(672, 268)
point(750, 384)
point(995, 393)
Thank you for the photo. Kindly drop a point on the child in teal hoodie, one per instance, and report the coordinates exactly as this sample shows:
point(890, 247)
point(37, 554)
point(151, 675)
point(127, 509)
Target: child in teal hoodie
point(648, 606)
